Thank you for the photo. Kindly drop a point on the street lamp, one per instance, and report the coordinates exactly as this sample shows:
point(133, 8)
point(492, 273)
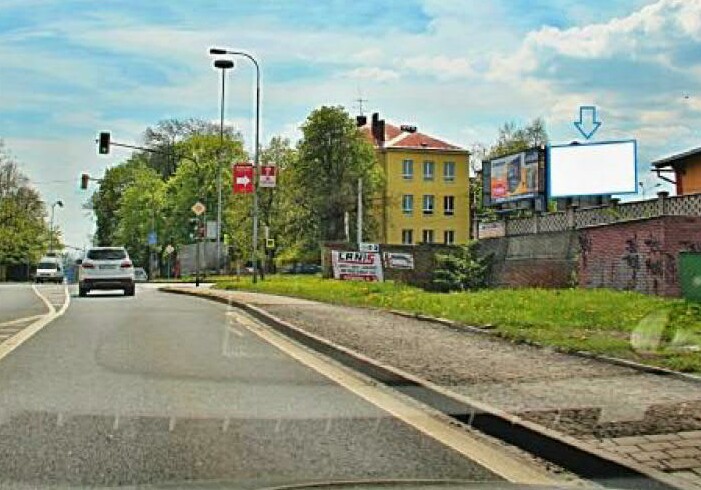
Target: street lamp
point(220, 51)
point(222, 65)
point(58, 203)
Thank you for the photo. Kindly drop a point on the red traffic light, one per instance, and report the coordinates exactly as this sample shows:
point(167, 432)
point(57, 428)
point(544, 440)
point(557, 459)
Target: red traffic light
point(84, 179)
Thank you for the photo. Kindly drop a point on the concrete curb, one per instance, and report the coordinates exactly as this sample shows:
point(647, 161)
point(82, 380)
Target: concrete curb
point(579, 457)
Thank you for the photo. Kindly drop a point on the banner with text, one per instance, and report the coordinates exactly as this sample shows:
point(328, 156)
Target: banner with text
point(356, 266)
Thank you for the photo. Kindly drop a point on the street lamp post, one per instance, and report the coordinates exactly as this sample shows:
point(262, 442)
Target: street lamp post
point(254, 254)
point(58, 203)
point(223, 65)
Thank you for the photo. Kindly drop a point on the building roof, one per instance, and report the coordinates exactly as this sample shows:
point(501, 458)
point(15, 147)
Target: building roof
point(399, 138)
point(677, 160)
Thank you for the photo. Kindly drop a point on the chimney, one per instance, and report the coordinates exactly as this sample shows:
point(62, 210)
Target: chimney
point(361, 121)
point(378, 128)
point(407, 128)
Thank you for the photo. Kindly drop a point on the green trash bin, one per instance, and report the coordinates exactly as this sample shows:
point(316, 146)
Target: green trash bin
point(690, 275)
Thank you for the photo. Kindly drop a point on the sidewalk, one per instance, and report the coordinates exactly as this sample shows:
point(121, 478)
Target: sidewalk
point(650, 419)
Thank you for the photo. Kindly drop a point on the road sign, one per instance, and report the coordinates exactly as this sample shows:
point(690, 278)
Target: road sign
point(169, 249)
point(243, 178)
point(198, 208)
point(211, 230)
point(152, 238)
point(270, 243)
point(268, 176)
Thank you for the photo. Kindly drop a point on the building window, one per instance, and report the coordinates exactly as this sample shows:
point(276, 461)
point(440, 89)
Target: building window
point(428, 203)
point(449, 237)
point(428, 236)
point(429, 168)
point(408, 203)
point(407, 237)
point(449, 171)
point(449, 205)
point(408, 169)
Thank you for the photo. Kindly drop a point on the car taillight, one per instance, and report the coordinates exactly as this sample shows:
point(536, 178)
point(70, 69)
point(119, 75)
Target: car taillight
point(126, 264)
point(88, 265)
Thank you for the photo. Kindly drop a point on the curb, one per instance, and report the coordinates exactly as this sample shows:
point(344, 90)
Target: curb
point(576, 456)
point(460, 327)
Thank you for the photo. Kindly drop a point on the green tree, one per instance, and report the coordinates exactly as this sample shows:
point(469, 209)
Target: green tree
point(513, 139)
point(462, 270)
point(24, 234)
point(323, 179)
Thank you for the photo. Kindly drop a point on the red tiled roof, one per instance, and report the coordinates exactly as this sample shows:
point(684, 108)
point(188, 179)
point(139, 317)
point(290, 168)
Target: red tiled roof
point(396, 138)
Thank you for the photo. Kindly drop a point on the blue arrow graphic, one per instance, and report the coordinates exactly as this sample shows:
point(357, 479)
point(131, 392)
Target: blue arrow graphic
point(588, 127)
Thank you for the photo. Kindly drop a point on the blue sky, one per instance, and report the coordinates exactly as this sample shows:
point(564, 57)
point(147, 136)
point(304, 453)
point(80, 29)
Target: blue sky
point(457, 69)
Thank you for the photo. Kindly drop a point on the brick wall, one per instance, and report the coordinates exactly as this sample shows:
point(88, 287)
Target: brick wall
point(638, 255)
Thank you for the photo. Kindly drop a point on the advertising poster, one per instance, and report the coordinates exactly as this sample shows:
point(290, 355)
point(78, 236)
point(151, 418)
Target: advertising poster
point(513, 177)
point(356, 266)
point(396, 260)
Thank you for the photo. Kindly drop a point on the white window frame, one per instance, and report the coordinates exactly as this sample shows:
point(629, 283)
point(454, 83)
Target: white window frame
point(408, 198)
point(408, 164)
point(446, 177)
point(432, 165)
point(427, 231)
point(452, 238)
point(410, 234)
point(446, 210)
point(428, 198)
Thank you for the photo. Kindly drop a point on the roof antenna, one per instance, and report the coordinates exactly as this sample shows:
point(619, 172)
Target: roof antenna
point(360, 101)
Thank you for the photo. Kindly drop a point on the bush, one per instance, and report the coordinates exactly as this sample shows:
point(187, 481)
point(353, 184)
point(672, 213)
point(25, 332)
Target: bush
point(461, 271)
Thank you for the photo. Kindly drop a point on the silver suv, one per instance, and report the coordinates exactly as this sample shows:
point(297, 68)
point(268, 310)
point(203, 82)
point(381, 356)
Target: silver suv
point(106, 268)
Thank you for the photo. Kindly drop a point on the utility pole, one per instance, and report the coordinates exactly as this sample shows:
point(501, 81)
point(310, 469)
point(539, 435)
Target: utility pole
point(360, 212)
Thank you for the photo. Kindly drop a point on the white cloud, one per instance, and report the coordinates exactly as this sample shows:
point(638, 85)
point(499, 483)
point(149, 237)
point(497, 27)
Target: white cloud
point(440, 67)
point(372, 73)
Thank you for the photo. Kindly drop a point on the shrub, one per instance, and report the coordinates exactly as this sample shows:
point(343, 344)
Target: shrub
point(461, 271)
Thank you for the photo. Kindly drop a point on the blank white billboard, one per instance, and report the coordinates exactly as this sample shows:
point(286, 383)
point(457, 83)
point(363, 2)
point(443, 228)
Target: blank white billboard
point(592, 169)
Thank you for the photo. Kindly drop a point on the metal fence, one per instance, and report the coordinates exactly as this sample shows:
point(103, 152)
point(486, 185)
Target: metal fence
point(575, 218)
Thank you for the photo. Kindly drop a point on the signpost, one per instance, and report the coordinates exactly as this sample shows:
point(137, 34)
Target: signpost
point(243, 178)
point(268, 176)
point(369, 247)
point(152, 238)
point(198, 208)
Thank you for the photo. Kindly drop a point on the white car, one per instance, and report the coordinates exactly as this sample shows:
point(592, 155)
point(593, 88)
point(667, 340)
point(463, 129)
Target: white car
point(106, 268)
point(49, 269)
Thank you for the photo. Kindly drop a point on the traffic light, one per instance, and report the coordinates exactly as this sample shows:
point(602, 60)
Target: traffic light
point(104, 143)
point(84, 178)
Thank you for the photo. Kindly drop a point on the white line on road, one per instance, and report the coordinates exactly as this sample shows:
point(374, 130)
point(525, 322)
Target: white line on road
point(26, 333)
point(424, 420)
point(19, 321)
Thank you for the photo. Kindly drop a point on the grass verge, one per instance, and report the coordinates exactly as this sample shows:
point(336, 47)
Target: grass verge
point(648, 329)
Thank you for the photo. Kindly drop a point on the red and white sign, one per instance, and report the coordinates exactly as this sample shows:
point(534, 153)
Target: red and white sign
point(356, 266)
point(268, 176)
point(243, 178)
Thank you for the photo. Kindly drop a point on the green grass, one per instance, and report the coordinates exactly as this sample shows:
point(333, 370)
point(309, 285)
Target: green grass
point(594, 320)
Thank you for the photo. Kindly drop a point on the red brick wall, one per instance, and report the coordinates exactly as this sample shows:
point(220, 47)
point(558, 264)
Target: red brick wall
point(638, 255)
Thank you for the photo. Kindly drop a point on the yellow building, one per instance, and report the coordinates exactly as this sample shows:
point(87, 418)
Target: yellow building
point(426, 196)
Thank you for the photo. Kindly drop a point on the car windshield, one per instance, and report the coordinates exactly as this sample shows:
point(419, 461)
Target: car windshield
point(262, 243)
point(106, 254)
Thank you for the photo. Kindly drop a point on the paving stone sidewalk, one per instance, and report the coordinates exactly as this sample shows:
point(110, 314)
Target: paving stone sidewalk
point(650, 419)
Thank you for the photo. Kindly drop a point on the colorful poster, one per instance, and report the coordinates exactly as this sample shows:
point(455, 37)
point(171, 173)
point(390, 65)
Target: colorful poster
point(396, 260)
point(513, 177)
point(356, 266)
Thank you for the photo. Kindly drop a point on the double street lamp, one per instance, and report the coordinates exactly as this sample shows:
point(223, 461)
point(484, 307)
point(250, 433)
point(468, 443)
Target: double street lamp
point(58, 203)
point(221, 51)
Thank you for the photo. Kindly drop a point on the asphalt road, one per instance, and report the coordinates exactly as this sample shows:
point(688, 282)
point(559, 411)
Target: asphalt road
point(19, 301)
point(163, 388)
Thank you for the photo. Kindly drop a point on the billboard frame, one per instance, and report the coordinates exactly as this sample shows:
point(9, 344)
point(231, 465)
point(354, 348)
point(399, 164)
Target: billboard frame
point(526, 158)
point(548, 165)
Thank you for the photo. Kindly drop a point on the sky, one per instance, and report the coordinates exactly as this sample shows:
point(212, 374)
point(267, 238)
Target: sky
point(457, 69)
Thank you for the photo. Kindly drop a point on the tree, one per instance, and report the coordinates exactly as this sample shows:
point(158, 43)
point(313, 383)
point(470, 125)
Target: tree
point(24, 234)
point(166, 135)
point(462, 270)
point(323, 179)
point(513, 139)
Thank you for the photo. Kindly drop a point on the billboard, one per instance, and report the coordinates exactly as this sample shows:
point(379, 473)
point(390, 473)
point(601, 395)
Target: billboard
point(609, 167)
point(356, 266)
point(397, 260)
point(513, 177)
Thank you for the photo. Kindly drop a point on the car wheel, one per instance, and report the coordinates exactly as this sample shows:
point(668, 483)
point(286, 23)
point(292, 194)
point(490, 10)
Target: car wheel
point(130, 291)
point(82, 292)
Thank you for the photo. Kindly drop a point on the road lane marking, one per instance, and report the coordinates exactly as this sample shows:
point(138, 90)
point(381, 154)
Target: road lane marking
point(425, 420)
point(26, 333)
point(19, 321)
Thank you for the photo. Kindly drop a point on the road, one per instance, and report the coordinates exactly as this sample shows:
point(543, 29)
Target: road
point(162, 388)
point(19, 301)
